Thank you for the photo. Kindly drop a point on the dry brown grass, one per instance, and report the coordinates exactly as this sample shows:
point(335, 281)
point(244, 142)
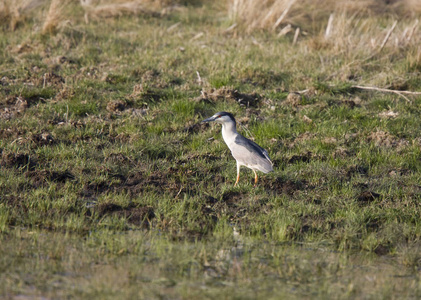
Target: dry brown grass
point(96, 9)
point(56, 15)
point(348, 32)
point(275, 14)
point(13, 12)
point(365, 27)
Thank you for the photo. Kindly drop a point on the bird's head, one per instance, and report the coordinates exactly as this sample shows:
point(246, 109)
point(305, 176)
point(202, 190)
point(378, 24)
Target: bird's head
point(221, 118)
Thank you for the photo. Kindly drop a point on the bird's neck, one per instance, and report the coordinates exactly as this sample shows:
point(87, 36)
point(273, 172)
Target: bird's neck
point(229, 132)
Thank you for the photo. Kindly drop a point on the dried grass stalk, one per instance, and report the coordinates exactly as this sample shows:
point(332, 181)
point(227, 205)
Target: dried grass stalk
point(100, 9)
point(270, 14)
point(261, 14)
point(15, 11)
point(55, 15)
point(388, 35)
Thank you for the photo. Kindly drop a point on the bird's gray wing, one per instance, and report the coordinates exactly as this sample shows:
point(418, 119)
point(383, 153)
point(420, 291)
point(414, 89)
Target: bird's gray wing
point(251, 154)
point(251, 146)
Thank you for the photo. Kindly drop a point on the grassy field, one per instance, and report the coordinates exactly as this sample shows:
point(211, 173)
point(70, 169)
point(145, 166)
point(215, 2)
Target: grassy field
point(111, 187)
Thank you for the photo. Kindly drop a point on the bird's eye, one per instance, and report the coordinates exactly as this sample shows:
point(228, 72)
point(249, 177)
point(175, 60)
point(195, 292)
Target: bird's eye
point(218, 116)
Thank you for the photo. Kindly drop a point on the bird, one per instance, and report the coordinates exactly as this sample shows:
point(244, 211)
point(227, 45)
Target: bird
point(246, 152)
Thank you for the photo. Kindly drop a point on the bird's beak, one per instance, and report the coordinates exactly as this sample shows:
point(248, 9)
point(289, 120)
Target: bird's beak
point(209, 119)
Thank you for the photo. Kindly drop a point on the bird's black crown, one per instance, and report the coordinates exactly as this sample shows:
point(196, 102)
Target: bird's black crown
point(224, 113)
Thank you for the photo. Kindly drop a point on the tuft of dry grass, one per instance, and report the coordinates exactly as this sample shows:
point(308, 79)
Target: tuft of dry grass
point(95, 9)
point(355, 28)
point(56, 15)
point(14, 12)
point(272, 14)
point(116, 8)
point(260, 14)
point(354, 33)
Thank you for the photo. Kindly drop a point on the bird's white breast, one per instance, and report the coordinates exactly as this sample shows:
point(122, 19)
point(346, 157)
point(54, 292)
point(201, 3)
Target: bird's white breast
point(229, 135)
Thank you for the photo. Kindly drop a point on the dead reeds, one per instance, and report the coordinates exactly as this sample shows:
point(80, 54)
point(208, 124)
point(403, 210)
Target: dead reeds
point(56, 15)
point(276, 14)
point(114, 8)
point(13, 12)
point(110, 9)
point(339, 25)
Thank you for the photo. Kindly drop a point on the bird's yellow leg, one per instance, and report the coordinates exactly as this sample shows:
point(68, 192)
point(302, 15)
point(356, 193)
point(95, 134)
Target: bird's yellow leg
point(238, 174)
point(255, 178)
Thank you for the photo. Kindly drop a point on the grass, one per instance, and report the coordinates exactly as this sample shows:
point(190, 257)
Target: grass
point(111, 187)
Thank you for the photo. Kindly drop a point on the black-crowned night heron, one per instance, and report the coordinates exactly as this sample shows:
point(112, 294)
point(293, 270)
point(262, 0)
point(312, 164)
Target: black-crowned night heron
point(246, 152)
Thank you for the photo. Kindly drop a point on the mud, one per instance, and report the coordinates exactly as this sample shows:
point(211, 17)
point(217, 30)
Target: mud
point(11, 133)
point(144, 93)
point(135, 215)
point(368, 196)
point(302, 138)
point(42, 139)
point(43, 177)
point(118, 158)
point(382, 250)
point(13, 107)
point(18, 161)
point(293, 99)
point(222, 94)
point(341, 152)
point(281, 186)
point(116, 106)
point(133, 184)
point(233, 204)
point(350, 103)
point(301, 158)
point(195, 128)
point(356, 170)
point(386, 140)
point(52, 79)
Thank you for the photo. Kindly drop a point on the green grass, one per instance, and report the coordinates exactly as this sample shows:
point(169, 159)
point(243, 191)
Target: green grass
point(137, 201)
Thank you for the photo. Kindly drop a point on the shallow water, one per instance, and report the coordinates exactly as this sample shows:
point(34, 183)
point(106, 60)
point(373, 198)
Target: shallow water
point(149, 265)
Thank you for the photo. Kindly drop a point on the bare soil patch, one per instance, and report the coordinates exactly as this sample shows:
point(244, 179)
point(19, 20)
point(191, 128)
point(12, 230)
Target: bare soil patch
point(41, 177)
point(385, 139)
point(136, 215)
point(18, 160)
point(42, 139)
point(301, 158)
point(216, 95)
point(116, 106)
point(293, 99)
point(195, 128)
point(52, 79)
point(302, 138)
point(279, 185)
point(13, 107)
point(356, 169)
point(145, 93)
point(133, 184)
point(368, 196)
point(11, 132)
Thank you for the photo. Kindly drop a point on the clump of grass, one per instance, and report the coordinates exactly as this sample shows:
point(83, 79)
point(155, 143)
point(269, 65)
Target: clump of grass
point(109, 9)
point(255, 14)
point(271, 14)
point(14, 12)
point(55, 15)
point(349, 26)
point(355, 33)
